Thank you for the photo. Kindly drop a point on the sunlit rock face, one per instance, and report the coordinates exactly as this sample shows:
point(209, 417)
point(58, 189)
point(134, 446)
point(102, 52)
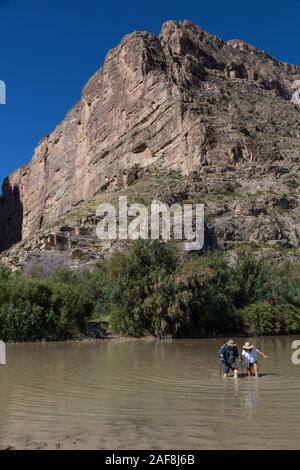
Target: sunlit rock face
point(296, 94)
point(185, 101)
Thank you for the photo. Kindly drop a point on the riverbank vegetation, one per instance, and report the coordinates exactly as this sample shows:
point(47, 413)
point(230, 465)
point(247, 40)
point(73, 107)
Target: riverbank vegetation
point(153, 289)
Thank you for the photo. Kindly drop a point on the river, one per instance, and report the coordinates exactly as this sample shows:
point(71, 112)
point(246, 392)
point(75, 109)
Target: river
point(146, 395)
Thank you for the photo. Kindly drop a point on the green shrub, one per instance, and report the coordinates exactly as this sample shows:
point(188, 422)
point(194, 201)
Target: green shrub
point(154, 289)
point(263, 318)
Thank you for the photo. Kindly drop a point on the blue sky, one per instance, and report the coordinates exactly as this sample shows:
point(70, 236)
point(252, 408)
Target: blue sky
point(49, 49)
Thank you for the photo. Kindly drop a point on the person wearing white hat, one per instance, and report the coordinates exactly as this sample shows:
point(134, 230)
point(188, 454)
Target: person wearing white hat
point(249, 357)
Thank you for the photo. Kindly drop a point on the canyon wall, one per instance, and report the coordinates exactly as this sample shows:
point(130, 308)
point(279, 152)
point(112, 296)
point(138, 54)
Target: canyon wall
point(183, 101)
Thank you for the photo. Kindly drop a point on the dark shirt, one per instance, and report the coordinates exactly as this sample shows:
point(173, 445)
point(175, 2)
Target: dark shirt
point(228, 354)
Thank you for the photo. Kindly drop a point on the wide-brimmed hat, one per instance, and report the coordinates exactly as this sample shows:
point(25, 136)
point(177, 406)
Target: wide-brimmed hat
point(248, 345)
point(230, 342)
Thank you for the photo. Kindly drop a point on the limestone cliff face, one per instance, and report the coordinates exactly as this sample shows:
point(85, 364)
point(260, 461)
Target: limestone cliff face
point(185, 100)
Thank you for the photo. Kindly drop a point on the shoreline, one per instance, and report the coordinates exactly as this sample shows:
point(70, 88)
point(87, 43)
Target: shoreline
point(130, 339)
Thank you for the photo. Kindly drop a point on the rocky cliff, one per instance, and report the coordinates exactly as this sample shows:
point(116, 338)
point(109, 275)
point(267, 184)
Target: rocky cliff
point(222, 117)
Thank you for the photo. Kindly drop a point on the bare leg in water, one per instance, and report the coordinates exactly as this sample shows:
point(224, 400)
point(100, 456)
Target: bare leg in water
point(255, 368)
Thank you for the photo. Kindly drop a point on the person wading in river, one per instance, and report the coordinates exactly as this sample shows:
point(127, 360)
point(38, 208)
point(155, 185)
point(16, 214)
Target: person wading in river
point(249, 358)
point(229, 355)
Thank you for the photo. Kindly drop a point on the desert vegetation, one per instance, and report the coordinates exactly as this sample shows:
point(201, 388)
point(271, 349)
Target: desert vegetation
point(154, 289)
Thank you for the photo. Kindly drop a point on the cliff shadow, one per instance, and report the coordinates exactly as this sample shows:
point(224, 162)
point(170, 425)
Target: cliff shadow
point(210, 240)
point(11, 216)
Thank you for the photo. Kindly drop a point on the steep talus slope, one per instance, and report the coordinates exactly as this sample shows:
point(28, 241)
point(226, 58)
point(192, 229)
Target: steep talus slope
point(223, 117)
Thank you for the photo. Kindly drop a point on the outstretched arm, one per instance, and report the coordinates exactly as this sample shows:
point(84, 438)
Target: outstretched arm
point(262, 354)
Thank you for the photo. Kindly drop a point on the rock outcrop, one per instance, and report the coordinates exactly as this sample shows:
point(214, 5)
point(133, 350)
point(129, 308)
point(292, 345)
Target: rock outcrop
point(224, 116)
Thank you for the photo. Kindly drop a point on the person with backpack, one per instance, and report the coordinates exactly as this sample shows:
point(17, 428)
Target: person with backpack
point(229, 356)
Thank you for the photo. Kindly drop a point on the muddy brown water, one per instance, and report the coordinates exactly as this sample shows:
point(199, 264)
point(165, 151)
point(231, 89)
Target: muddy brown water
point(146, 395)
